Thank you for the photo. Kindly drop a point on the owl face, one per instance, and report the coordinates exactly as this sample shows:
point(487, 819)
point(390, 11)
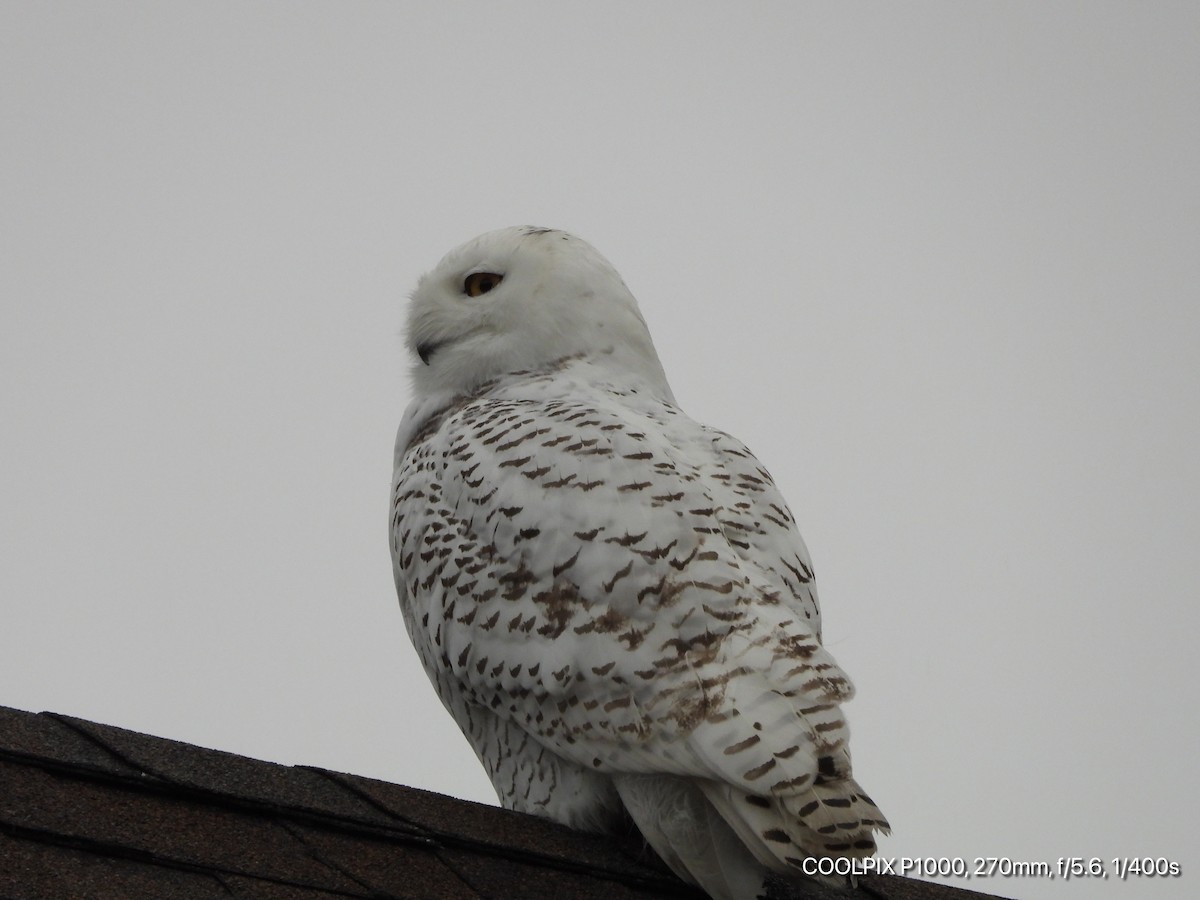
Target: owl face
point(519, 299)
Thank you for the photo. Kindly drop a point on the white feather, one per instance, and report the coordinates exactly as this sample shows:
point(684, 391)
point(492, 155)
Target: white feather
point(612, 600)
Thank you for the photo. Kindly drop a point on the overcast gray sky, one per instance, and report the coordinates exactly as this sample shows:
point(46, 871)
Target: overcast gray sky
point(936, 263)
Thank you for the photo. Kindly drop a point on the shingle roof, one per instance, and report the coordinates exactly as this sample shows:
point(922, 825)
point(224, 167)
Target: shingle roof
point(93, 812)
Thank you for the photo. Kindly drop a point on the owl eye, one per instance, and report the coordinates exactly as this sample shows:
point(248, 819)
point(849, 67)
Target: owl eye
point(478, 283)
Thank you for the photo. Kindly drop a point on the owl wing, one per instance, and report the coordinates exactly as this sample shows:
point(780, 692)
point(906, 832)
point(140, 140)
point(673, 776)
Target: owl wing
point(630, 590)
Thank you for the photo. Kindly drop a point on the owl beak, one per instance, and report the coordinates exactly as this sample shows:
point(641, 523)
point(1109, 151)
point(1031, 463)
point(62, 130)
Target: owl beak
point(426, 351)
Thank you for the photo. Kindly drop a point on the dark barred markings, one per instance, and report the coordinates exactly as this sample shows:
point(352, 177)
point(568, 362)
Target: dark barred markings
point(742, 745)
point(611, 583)
point(670, 567)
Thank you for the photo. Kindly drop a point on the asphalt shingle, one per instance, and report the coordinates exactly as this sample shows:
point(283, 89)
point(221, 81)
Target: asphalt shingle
point(94, 812)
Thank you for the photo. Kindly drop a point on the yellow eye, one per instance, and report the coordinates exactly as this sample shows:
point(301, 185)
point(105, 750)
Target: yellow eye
point(478, 283)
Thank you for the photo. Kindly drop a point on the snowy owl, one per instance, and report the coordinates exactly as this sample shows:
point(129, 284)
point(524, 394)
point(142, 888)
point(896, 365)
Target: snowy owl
point(612, 600)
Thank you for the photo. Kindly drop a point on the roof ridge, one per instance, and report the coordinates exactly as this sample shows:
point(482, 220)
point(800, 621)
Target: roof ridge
point(168, 787)
point(140, 765)
point(95, 810)
point(441, 837)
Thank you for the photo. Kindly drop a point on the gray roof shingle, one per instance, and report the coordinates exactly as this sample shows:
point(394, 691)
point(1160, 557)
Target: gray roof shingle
point(94, 812)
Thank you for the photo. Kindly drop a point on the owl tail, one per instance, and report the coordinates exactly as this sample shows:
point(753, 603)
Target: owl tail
point(690, 836)
point(830, 819)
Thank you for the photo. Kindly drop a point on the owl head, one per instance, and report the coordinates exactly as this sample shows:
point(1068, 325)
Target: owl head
point(523, 299)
